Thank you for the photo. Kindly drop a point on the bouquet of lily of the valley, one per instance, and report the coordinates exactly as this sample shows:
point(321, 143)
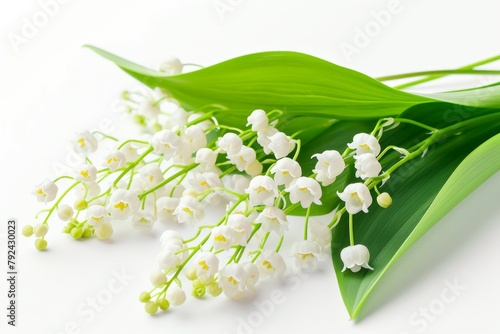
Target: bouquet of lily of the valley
point(268, 136)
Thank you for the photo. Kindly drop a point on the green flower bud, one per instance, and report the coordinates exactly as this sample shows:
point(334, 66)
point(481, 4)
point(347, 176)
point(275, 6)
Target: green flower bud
point(139, 119)
point(81, 204)
point(144, 297)
point(76, 232)
point(214, 289)
point(87, 233)
point(191, 274)
point(163, 304)
point(199, 291)
point(151, 308)
point(384, 200)
point(28, 231)
point(156, 127)
point(40, 244)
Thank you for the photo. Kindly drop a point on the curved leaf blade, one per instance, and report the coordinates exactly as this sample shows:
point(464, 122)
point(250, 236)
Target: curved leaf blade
point(423, 193)
point(294, 82)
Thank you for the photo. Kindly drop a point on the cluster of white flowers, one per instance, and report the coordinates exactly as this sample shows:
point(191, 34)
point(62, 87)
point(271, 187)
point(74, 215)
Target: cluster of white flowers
point(174, 175)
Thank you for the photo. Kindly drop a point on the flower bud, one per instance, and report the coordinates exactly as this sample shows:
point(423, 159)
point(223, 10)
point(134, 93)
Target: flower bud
point(76, 232)
point(163, 304)
point(40, 244)
point(151, 308)
point(214, 289)
point(199, 291)
point(191, 274)
point(80, 204)
point(144, 297)
point(105, 231)
point(176, 296)
point(65, 212)
point(384, 200)
point(28, 231)
point(157, 277)
point(40, 230)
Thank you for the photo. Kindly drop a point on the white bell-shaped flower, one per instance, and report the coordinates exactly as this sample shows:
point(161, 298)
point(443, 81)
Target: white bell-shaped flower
point(367, 166)
point(97, 215)
point(123, 203)
point(157, 278)
point(306, 254)
point(254, 168)
point(165, 207)
point(285, 171)
point(230, 143)
point(86, 173)
point(281, 144)
point(232, 280)
point(165, 142)
point(357, 197)
point(243, 158)
point(258, 120)
point(365, 143)
point(242, 227)
point(263, 137)
point(45, 191)
point(64, 212)
point(130, 151)
point(151, 175)
point(85, 143)
point(206, 158)
point(273, 219)
point(195, 138)
point(330, 165)
point(171, 256)
point(189, 210)
point(320, 234)
point(143, 220)
point(253, 275)
point(175, 295)
point(355, 257)
point(262, 190)
point(271, 264)
point(305, 190)
point(171, 66)
point(206, 265)
point(222, 237)
point(114, 160)
point(171, 237)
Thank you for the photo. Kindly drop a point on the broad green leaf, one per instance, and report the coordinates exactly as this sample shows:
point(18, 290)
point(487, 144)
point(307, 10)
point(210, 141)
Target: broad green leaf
point(423, 191)
point(296, 83)
point(484, 97)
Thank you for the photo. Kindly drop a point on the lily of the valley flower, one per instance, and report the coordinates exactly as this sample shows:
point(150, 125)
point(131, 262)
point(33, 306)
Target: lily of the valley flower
point(123, 203)
point(262, 190)
point(330, 165)
point(171, 66)
point(367, 166)
point(242, 227)
point(86, 173)
point(97, 215)
point(189, 210)
point(114, 160)
point(306, 254)
point(281, 144)
point(222, 237)
point(243, 158)
point(230, 143)
point(206, 265)
point(271, 264)
point(45, 191)
point(165, 207)
point(258, 120)
point(357, 197)
point(355, 257)
point(206, 158)
point(305, 190)
point(165, 142)
point(85, 143)
point(176, 296)
point(232, 280)
point(273, 219)
point(365, 143)
point(285, 171)
point(320, 234)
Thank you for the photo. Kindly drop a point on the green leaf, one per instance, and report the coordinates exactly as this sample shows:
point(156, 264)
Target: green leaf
point(423, 191)
point(484, 96)
point(296, 83)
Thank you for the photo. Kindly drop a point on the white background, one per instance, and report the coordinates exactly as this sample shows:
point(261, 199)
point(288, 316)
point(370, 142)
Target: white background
point(51, 88)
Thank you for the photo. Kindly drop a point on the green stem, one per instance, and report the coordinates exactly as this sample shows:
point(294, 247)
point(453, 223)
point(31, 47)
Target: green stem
point(434, 77)
point(166, 181)
point(351, 230)
point(132, 165)
point(306, 223)
point(438, 72)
